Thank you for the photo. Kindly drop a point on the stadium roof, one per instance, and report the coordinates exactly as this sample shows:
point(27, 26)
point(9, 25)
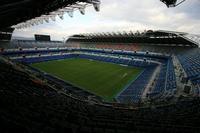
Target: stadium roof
point(13, 12)
point(192, 38)
point(167, 38)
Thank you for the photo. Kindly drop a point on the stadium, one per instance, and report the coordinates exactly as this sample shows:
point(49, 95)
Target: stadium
point(106, 82)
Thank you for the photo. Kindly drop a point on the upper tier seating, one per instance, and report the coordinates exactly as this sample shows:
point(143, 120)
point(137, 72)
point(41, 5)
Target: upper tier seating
point(129, 47)
point(132, 47)
point(15, 44)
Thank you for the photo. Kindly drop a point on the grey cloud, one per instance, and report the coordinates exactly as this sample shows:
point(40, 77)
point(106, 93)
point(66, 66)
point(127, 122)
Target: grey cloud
point(116, 15)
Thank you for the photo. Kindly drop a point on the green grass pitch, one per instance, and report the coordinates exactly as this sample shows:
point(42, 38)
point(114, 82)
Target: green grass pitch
point(100, 78)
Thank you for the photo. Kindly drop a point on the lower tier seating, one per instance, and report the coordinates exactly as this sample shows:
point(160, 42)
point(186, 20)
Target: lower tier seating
point(190, 62)
point(166, 80)
point(133, 93)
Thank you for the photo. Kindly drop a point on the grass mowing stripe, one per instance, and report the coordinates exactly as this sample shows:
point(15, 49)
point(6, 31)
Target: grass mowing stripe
point(101, 78)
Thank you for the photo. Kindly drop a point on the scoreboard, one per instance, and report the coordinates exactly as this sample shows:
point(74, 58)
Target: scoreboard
point(6, 34)
point(42, 37)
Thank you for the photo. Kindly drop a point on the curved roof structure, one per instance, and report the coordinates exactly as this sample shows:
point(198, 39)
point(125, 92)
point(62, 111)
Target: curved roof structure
point(193, 38)
point(160, 37)
point(13, 12)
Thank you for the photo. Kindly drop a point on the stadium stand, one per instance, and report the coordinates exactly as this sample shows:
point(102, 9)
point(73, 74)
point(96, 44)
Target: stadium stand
point(164, 97)
point(191, 64)
point(171, 78)
point(127, 47)
point(135, 59)
point(60, 106)
point(35, 107)
point(16, 44)
point(133, 93)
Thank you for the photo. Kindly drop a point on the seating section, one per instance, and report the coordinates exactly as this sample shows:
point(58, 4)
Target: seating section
point(190, 62)
point(171, 78)
point(159, 88)
point(162, 49)
point(129, 47)
point(33, 106)
point(133, 93)
point(33, 44)
point(117, 60)
point(44, 58)
point(35, 102)
point(166, 81)
point(73, 45)
point(32, 51)
point(87, 45)
point(28, 52)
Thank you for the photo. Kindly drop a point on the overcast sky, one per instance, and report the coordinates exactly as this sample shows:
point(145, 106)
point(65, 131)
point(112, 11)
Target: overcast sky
point(123, 15)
